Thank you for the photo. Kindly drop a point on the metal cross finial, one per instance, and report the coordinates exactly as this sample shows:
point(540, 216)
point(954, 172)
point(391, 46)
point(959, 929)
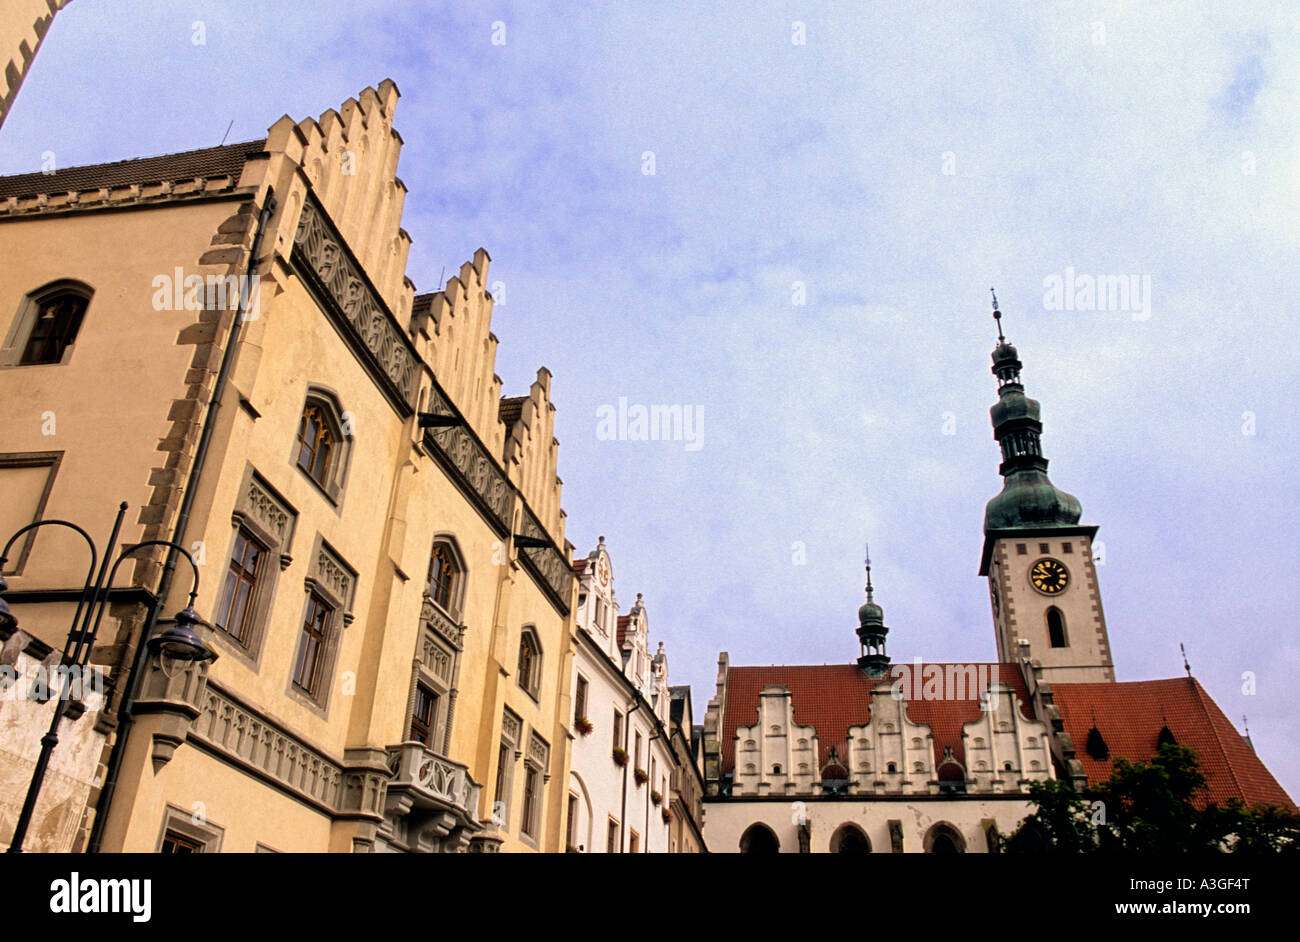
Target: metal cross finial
point(868, 572)
point(1187, 667)
point(997, 315)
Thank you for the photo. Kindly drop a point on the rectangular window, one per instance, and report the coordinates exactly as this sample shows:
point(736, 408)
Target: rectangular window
point(611, 837)
point(618, 730)
point(1021, 549)
point(571, 831)
point(580, 699)
point(600, 614)
point(532, 800)
point(637, 755)
point(633, 842)
point(424, 715)
point(503, 767)
point(1067, 547)
point(311, 648)
point(174, 843)
point(235, 610)
point(1044, 547)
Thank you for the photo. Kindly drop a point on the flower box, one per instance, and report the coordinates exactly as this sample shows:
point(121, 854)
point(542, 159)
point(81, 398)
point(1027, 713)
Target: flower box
point(620, 756)
point(641, 777)
point(583, 725)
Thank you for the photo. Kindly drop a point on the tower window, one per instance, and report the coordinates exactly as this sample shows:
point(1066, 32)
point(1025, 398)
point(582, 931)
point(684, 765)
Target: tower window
point(1067, 547)
point(1056, 628)
point(1044, 547)
point(1021, 549)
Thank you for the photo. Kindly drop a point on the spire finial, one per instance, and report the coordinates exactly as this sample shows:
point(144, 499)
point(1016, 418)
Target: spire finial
point(997, 315)
point(869, 598)
point(1187, 667)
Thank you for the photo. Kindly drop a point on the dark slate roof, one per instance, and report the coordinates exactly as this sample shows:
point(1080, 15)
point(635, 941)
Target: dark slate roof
point(209, 162)
point(510, 410)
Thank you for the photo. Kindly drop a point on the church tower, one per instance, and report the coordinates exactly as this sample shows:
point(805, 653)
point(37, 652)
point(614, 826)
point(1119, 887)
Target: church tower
point(1037, 557)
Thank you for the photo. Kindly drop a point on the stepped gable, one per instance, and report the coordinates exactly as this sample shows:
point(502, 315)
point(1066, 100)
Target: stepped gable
point(531, 452)
point(349, 156)
point(1130, 715)
point(833, 697)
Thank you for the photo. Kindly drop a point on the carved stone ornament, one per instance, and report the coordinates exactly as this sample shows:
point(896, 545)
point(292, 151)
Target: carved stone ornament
point(354, 303)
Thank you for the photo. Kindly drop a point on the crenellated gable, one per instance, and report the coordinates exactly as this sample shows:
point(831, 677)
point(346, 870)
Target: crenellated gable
point(531, 453)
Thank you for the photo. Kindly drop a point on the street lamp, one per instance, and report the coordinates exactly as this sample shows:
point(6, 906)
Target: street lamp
point(180, 641)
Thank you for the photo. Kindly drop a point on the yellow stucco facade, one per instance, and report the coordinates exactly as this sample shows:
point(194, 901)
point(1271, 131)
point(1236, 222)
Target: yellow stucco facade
point(393, 652)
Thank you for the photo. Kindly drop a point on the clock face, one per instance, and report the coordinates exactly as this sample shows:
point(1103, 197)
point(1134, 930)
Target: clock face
point(1049, 576)
point(602, 572)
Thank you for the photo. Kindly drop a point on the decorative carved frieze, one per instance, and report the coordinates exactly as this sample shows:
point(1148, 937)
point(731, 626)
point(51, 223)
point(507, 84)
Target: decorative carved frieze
point(333, 578)
point(232, 730)
point(434, 618)
point(511, 727)
point(355, 305)
point(463, 452)
point(538, 751)
point(548, 563)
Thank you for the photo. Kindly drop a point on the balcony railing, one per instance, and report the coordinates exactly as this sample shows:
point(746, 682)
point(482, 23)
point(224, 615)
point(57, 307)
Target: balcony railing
point(431, 781)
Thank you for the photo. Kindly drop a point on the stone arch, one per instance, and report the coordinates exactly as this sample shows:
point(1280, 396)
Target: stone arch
point(759, 839)
point(944, 838)
point(850, 839)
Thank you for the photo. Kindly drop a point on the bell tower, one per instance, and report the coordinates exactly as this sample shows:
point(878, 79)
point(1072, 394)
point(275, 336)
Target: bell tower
point(1037, 557)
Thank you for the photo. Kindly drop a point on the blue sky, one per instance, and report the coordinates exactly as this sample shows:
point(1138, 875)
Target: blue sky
point(898, 163)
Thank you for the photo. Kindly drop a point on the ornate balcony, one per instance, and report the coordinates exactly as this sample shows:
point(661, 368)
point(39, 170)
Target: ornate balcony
point(432, 802)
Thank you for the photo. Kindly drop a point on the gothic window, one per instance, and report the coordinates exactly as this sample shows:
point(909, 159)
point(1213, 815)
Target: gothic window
point(445, 582)
point(759, 839)
point(530, 664)
point(943, 838)
point(234, 613)
point(1056, 628)
point(323, 442)
point(849, 839)
point(47, 324)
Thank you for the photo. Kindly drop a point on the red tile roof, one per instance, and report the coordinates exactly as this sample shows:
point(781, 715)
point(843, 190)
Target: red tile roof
point(210, 162)
point(624, 628)
point(580, 565)
point(1129, 717)
point(833, 697)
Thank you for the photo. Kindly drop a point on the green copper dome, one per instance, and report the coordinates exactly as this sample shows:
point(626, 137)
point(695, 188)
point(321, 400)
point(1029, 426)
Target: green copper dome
point(1029, 499)
point(870, 615)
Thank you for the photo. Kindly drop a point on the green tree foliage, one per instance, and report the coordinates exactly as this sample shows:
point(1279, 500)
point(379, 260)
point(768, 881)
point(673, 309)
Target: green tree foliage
point(1149, 808)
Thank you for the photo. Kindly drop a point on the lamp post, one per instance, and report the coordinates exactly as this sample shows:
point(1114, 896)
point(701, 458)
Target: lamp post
point(179, 641)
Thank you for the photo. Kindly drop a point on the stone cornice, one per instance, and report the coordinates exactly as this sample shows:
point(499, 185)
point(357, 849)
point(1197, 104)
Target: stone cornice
point(133, 196)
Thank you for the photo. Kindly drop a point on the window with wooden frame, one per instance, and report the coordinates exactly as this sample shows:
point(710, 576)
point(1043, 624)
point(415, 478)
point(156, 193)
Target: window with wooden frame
point(235, 609)
point(580, 699)
point(47, 324)
point(571, 827)
point(442, 575)
point(618, 730)
point(529, 674)
point(323, 442)
point(311, 645)
point(633, 842)
point(174, 843)
point(511, 735)
point(528, 822)
point(424, 715)
point(611, 837)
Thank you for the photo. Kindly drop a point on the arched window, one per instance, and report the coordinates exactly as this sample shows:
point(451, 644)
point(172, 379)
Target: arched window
point(316, 443)
point(1056, 627)
point(446, 576)
point(759, 839)
point(322, 443)
point(47, 324)
point(943, 838)
point(849, 839)
point(530, 663)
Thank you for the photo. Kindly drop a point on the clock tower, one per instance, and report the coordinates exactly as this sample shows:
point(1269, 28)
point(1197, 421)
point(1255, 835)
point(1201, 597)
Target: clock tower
point(1037, 557)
